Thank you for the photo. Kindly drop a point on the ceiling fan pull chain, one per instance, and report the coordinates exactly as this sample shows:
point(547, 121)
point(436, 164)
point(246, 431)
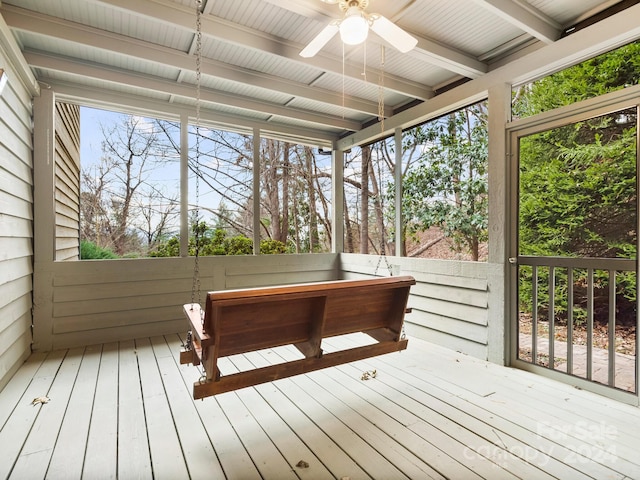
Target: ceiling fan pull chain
point(343, 83)
point(381, 89)
point(364, 62)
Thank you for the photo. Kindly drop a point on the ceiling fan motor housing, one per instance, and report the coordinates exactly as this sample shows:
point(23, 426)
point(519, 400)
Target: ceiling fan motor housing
point(345, 5)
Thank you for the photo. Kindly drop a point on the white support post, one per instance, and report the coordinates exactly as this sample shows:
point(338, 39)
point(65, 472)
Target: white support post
point(256, 191)
point(44, 228)
point(398, 193)
point(337, 202)
point(499, 228)
point(184, 185)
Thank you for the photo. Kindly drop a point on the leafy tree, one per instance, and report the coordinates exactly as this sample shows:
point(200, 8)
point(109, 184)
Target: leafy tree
point(605, 73)
point(447, 186)
point(215, 241)
point(91, 251)
point(578, 182)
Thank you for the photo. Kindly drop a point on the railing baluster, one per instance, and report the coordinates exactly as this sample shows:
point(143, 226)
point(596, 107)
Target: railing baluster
point(569, 320)
point(534, 315)
point(590, 274)
point(552, 315)
point(590, 324)
point(611, 330)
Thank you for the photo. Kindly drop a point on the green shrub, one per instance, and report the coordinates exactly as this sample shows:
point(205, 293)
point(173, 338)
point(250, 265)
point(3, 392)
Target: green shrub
point(90, 251)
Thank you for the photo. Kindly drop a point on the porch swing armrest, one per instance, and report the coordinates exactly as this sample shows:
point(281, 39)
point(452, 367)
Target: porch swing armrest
point(200, 340)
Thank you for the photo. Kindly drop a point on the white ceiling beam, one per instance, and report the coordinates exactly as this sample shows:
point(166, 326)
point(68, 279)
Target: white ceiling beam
point(527, 19)
point(116, 76)
point(134, 104)
point(60, 29)
point(605, 35)
point(427, 49)
point(212, 27)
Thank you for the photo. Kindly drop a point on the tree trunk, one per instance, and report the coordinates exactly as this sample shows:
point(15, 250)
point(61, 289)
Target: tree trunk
point(313, 218)
point(348, 230)
point(377, 206)
point(284, 229)
point(364, 200)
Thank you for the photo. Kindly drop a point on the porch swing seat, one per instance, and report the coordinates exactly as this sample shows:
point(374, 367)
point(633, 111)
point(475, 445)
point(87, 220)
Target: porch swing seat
point(247, 320)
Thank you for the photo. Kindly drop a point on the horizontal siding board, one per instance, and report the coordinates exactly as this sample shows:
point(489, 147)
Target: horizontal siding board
point(13, 142)
point(413, 266)
point(18, 328)
point(16, 98)
point(13, 161)
point(119, 304)
point(63, 255)
point(90, 272)
point(17, 150)
point(15, 289)
point(66, 224)
point(14, 122)
point(476, 298)
point(470, 283)
point(79, 323)
point(66, 190)
point(68, 177)
point(460, 328)
point(451, 342)
point(92, 337)
point(285, 263)
point(15, 186)
point(66, 237)
point(12, 248)
point(16, 309)
point(448, 309)
point(11, 226)
point(278, 278)
point(66, 206)
point(124, 289)
point(16, 207)
point(13, 356)
point(15, 268)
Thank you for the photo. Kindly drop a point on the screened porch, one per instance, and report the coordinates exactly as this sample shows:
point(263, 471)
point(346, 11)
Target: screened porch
point(90, 383)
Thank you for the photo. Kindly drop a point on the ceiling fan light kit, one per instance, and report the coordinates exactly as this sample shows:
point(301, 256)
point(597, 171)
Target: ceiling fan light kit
point(354, 29)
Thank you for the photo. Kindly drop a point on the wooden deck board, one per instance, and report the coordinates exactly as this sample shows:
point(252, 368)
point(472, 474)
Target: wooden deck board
point(234, 460)
point(37, 450)
point(166, 452)
point(101, 454)
point(576, 433)
point(65, 463)
point(125, 410)
point(17, 428)
point(134, 459)
point(199, 455)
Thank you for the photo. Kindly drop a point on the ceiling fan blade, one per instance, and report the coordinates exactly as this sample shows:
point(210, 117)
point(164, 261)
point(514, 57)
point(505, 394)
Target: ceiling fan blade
point(321, 40)
point(392, 33)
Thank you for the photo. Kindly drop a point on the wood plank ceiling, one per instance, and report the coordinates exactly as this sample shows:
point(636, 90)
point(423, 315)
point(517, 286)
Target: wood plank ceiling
point(140, 56)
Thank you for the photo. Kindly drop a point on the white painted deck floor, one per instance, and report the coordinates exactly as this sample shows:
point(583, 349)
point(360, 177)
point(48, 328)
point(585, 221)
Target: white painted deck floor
point(124, 410)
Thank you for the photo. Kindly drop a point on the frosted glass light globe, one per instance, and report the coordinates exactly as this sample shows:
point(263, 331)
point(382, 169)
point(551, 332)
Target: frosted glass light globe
point(354, 28)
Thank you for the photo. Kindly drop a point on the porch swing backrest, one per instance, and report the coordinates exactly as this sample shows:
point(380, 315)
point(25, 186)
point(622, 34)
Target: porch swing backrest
point(241, 321)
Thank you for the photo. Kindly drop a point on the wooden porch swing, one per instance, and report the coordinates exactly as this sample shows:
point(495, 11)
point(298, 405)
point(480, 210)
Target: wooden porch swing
point(240, 321)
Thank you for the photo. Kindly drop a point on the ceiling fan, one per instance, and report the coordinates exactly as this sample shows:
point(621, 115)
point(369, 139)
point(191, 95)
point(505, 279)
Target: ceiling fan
point(354, 27)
